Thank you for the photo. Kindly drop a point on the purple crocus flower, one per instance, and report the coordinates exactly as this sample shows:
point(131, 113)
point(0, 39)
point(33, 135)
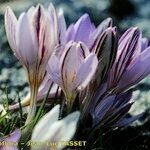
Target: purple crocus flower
point(73, 69)
point(111, 112)
point(132, 62)
point(33, 38)
point(107, 103)
point(82, 31)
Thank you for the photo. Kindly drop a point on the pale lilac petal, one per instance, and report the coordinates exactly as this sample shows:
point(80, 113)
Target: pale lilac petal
point(45, 34)
point(128, 51)
point(130, 48)
point(66, 124)
point(55, 132)
point(137, 72)
point(82, 30)
point(86, 71)
point(144, 43)
point(45, 122)
point(83, 50)
point(128, 120)
point(59, 129)
point(70, 32)
point(30, 13)
point(103, 107)
point(13, 137)
point(53, 66)
point(101, 28)
point(54, 21)
point(125, 35)
point(44, 87)
point(62, 28)
point(71, 125)
point(69, 64)
point(105, 49)
point(11, 27)
point(24, 41)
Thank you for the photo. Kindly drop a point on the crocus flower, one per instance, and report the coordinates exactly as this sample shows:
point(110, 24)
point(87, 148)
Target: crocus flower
point(54, 130)
point(73, 69)
point(112, 111)
point(83, 30)
point(130, 66)
point(132, 61)
point(10, 142)
point(32, 38)
point(105, 48)
point(75, 32)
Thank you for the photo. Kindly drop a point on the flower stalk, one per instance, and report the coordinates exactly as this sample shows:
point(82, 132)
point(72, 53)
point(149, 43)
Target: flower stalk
point(33, 98)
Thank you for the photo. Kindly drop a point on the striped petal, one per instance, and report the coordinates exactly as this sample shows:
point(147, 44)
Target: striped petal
point(101, 28)
point(137, 72)
point(69, 64)
point(43, 31)
point(128, 50)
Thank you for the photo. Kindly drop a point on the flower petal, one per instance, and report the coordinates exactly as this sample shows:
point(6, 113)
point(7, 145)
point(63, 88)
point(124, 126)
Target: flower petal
point(128, 51)
point(128, 120)
point(57, 131)
point(10, 26)
point(144, 43)
point(105, 48)
point(103, 107)
point(24, 41)
point(86, 71)
point(44, 31)
point(13, 137)
point(135, 73)
point(82, 30)
point(69, 64)
point(45, 122)
point(62, 27)
point(101, 28)
point(53, 66)
point(54, 21)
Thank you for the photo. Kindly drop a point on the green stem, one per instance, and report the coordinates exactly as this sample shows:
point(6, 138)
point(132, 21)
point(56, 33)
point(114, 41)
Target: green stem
point(32, 108)
point(29, 124)
point(70, 104)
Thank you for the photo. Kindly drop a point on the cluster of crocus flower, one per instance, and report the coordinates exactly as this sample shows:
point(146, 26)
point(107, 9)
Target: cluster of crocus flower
point(91, 66)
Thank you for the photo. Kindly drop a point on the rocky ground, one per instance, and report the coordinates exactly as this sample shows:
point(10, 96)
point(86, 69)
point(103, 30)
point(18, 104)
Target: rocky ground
point(13, 78)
